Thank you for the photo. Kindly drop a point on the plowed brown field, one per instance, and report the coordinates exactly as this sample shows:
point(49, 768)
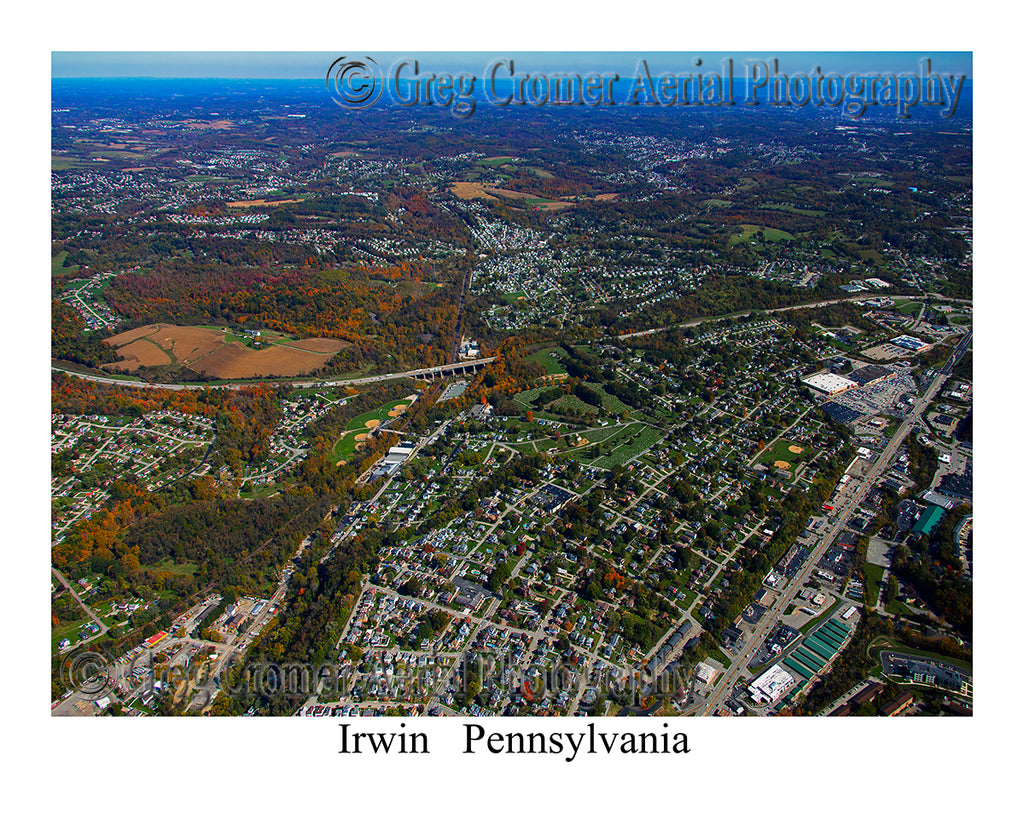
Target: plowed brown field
point(207, 351)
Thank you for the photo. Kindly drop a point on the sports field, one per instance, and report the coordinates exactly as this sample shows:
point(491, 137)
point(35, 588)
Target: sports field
point(785, 454)
point(360, 428)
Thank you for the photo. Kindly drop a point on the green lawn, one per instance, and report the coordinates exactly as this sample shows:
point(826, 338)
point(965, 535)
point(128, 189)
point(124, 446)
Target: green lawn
point(635, 442)
point(67, 631)
point(526, 397)
point(873, 182)
point(899, 608)
point(571, 404)
point(346, 444)
point(609, 438)
point(540, 173)
point(550, 358)
point(791, 209)
point(57, 264)
point(873, 578)
point(602, 433)
point(779, 451)
point(748, 233)
point(610, 402)
point(168, 566)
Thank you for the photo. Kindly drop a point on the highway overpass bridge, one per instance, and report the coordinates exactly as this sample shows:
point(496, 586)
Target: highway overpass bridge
point(467, 368)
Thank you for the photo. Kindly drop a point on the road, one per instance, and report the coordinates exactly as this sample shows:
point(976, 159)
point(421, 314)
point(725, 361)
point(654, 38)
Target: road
point(443, 369)
point(89, 611)
point(697, 321)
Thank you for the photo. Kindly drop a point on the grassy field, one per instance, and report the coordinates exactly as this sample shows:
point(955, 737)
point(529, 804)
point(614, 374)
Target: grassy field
point(873, 578)
point(346, 444)
point(572, 405)
point(899, 608)
point(167, 566)
point(749, 233)
point(610, 402)
point(65, 163)
point(602, 434)
point(792, 209)
point(57, 264)
point(873, 182)
point(609, 438)
point(638, 439)
point(526, 397)
point(550, 358)
point(776, 235)
point(67, 631)
point(779, 451)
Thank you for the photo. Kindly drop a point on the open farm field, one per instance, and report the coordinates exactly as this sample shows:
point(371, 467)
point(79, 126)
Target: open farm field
point(216, 353)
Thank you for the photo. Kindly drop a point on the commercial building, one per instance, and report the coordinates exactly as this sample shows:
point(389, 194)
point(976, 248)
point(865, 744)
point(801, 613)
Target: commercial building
point(929, 520)
point(911, 343)
point(829, 383)
point(771, 685)
point(705, 673)
point(938, 500)
point(871, 374)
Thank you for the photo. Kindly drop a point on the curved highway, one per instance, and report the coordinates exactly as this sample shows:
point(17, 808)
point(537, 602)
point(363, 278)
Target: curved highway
point(454, 369)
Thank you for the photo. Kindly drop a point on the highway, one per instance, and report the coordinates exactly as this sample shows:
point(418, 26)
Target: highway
point(810, 305)
point(768, 621)
point(444, 369)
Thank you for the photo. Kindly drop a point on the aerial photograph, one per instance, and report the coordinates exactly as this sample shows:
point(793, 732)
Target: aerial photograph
point(533, 384)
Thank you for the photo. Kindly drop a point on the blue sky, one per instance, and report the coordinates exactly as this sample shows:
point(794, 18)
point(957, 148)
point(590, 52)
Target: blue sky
point(313, 65)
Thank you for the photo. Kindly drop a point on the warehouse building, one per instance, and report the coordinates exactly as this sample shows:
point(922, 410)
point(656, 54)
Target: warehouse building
point(871, 374)
point(911, 343)
point(829, 383)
